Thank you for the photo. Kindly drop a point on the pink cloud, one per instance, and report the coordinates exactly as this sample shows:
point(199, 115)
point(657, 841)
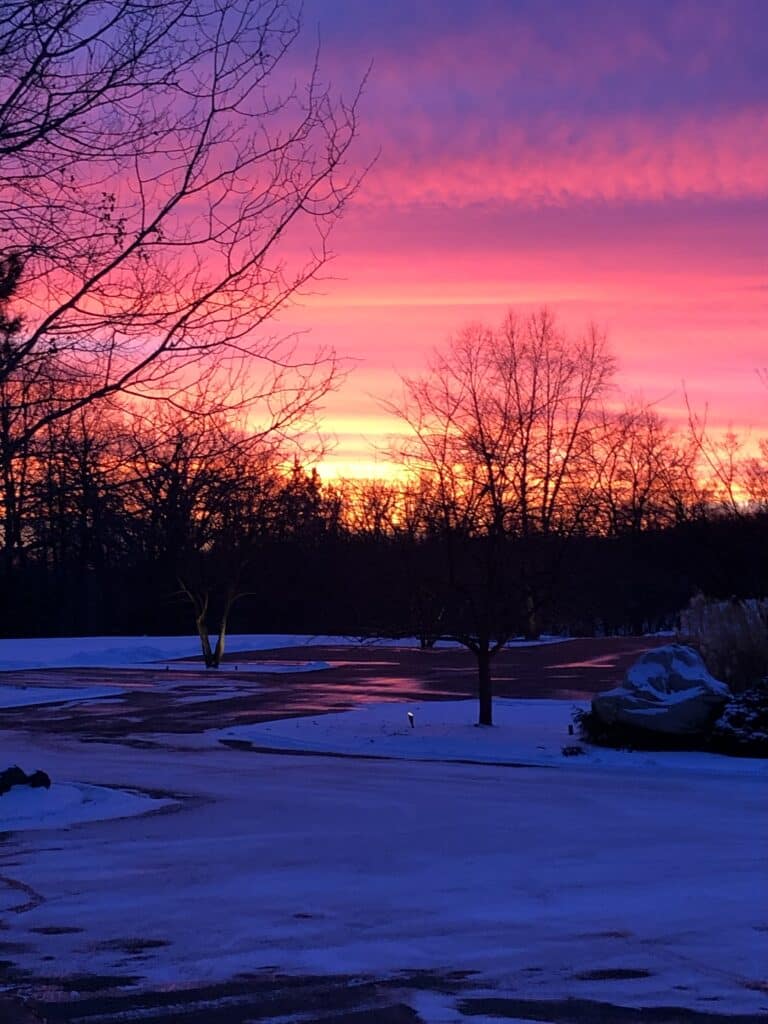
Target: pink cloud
point(614, 159)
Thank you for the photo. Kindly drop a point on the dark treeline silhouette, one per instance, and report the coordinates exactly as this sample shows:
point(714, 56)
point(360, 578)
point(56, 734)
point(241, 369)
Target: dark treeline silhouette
point(114, 521)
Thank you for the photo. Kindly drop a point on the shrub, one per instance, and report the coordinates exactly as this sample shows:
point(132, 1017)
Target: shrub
point(592, 729)
point(731, 636)
point(743, 726)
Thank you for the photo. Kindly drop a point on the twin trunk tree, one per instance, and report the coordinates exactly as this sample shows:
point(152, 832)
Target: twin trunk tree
point(200, 601)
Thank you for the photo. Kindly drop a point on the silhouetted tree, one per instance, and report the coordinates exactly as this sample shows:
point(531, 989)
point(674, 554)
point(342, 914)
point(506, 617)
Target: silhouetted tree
point(645, 475)
point(201, 492)
point(503, 434)
point(153, 158)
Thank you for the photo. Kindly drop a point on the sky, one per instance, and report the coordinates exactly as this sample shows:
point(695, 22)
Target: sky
point(605, 158)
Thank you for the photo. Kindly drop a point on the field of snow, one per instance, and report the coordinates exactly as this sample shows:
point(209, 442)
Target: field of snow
point(132, 652)
point(151, 651)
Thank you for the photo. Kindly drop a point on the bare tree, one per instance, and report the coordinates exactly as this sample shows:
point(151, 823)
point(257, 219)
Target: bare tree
point(153, 160)
point(755, 468)
point(644, 473)
point(502, 435)
point(721, 463)
point(755, 478)
point(201, 491)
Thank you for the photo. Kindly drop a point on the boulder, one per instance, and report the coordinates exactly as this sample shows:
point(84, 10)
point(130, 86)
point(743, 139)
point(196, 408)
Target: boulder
point(667, 690)
point(15, 776)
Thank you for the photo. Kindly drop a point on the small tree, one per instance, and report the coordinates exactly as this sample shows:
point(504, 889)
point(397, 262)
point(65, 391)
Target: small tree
point(202, 493)
point(502, 438)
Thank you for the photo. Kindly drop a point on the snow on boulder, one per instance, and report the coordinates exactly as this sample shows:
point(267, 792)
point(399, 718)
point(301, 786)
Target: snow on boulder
point(667, 690)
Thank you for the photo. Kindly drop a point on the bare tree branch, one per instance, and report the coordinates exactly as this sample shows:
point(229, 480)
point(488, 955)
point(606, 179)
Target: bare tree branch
point(166, 185)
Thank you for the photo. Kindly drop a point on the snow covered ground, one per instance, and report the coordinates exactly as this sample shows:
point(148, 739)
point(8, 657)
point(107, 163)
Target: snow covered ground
point(67, 804)
point(137, 652)
point(528, 732)
point(635, 879)
point(132, 652)
point(24, 696)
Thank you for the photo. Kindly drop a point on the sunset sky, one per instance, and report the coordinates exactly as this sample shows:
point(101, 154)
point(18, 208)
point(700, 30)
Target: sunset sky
point(606, 158)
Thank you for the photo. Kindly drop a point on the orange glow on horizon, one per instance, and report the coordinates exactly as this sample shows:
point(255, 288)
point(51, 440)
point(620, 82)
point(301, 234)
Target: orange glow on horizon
point(342, 468)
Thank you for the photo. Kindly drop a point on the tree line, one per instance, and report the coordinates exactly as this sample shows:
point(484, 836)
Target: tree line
point(547, 509)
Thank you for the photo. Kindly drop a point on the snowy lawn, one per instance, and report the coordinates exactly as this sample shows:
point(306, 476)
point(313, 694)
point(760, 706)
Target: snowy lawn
point(529, 732)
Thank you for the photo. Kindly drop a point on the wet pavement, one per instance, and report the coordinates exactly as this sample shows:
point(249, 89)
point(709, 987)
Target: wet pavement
point(242, 691)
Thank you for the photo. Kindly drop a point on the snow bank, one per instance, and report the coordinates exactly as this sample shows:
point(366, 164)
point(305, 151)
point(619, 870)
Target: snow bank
point(530, 732)
point(66, 804)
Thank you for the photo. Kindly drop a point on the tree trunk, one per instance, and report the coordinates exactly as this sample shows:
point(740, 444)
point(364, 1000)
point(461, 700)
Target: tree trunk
point(484, 686)
point(532, 624)
point(218, 653)
point(205, 642)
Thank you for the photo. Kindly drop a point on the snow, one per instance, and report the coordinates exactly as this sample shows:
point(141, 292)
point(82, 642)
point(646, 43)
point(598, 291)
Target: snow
point(530, 878)
point(22, 696)
point(67, 804)
point(132, 652)
point(651, 674)
point(529, 732)
point(423, 849)
point(436, 1008)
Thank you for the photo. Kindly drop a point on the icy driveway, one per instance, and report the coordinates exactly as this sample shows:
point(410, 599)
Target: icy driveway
point(599, 883)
